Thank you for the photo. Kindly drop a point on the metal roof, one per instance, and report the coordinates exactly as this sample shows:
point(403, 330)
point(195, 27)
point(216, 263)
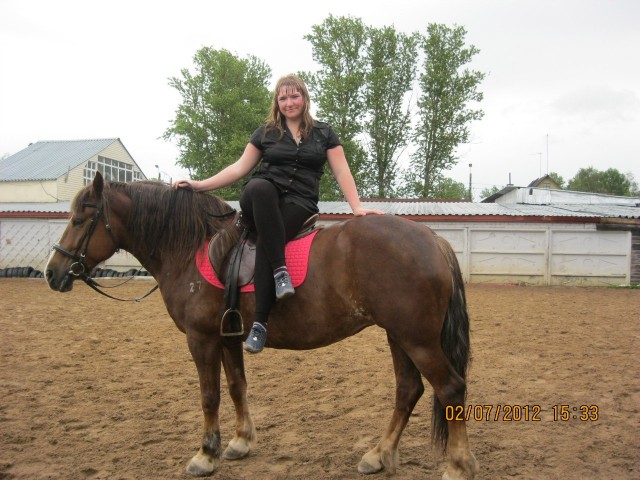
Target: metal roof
point(49, 160)
point(609, 211)
point(43, 207)
point(472, 209)
point(427, 209)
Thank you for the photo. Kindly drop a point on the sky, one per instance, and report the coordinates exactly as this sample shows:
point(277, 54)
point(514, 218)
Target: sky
point(561, 92)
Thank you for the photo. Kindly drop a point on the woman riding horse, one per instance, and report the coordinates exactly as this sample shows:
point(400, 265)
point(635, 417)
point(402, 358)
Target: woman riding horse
point(283, 192)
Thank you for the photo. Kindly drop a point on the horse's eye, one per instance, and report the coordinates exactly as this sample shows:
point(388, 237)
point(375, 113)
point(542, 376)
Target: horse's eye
point(76, 222)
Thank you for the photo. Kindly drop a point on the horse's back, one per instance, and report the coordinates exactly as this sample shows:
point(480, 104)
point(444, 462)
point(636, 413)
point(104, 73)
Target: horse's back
point(388, 241)
point(380, 258)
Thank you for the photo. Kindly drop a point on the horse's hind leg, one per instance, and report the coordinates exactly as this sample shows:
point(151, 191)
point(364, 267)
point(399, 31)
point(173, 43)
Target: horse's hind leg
point(245, 437)
point(450, 390)
point(409, 389)
point(462, 463)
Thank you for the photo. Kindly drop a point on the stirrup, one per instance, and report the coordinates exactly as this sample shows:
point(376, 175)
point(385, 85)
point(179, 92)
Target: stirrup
point(233, 317)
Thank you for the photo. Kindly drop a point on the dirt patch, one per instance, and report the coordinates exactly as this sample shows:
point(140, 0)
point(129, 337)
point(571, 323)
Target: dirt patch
point(93, 388)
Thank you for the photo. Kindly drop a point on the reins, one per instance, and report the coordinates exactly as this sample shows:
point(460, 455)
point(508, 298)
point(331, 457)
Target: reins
point(96, 286)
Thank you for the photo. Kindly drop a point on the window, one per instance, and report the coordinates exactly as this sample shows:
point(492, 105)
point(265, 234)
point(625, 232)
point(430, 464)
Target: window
point(112, 170)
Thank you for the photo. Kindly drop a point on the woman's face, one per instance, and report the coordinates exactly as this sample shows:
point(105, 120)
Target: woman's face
point(290, 103)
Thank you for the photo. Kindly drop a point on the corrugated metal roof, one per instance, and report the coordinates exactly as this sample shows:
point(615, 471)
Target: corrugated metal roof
point(551, 196)
point(609, 211)
point(49, 160)
point(417, 209)
point(51, 207)
point(457, 209)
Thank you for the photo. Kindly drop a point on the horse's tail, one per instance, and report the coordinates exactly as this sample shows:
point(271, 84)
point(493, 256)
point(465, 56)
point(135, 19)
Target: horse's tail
point(454, 340)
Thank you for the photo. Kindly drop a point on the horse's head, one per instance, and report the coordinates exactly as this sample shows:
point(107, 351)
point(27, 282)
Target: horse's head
point(87, 240)
point(154, 222)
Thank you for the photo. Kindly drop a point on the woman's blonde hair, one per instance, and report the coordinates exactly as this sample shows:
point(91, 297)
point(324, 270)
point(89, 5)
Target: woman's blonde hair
point(275, 119)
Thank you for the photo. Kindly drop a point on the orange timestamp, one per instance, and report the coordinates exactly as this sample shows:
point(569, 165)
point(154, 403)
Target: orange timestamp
point(583, 413)
point(520, 413)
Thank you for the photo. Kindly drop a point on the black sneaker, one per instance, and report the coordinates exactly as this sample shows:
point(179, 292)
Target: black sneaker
point(256, 339)
point(284, 288)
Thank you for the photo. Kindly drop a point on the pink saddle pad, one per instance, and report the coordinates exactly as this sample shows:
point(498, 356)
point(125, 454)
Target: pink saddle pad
point(296, 253)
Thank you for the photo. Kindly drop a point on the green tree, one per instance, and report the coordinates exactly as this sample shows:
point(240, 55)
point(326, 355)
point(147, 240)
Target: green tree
point(339, 46)
point(634, 189)
point(616, 183)
point(391, 68)
point(223, 102)
point(444, 114)
point(488, 191)
point(557, 178)
point(610, 182)
point(448, 189)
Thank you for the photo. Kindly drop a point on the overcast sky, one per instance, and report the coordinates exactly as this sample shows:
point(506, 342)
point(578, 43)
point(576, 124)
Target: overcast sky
point(562, 89)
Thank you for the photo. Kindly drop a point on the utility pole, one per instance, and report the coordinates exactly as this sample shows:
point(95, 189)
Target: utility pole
point(547, 154)
point(470, 196)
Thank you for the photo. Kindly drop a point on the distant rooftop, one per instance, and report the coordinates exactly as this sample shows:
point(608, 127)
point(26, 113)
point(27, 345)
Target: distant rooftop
point(511, 195)
point(49, 160)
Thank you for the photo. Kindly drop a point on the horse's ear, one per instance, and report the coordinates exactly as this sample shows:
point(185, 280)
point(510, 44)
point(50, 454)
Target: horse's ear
point(98, 184)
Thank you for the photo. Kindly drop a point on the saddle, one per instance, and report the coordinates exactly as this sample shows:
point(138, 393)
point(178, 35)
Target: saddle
point(235, 267)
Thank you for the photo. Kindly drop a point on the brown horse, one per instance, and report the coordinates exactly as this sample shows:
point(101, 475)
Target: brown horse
point(374, 270)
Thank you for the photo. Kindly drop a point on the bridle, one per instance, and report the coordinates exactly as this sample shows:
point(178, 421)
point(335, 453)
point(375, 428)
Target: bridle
point(78, 268)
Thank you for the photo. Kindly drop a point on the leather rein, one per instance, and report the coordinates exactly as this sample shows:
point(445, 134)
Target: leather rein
point(78, 269)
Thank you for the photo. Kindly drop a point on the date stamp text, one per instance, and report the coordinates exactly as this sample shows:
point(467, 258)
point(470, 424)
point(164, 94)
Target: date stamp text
point(522, 413)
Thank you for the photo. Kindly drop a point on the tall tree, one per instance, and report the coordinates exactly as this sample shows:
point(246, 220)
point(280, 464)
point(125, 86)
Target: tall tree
point(223, 102)
point(610, 182)
point(444, 112)
point(339, 45)
point(391, 68)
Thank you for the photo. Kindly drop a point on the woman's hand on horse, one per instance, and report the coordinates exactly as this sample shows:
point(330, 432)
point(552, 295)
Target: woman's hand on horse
point(185, 183)
point(360, 212)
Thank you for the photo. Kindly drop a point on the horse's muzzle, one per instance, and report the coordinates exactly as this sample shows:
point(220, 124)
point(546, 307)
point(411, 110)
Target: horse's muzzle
point(62, 283)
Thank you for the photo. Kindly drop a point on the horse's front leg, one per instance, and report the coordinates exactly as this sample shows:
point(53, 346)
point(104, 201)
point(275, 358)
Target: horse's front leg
point(245, 436)
point(206, 352)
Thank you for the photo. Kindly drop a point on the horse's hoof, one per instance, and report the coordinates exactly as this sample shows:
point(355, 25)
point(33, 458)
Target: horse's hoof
point(366, 468)
point(201, 466)
point(370, 464)
point(237, 449)
point(467, 471)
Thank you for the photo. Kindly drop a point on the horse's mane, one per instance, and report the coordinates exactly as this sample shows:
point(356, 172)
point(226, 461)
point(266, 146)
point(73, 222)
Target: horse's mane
point(166, 221)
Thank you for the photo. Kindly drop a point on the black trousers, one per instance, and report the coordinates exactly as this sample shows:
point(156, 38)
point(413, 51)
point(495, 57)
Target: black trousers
point(276, 223)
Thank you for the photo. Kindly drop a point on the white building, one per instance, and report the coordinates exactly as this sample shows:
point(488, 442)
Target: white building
point(37, 185)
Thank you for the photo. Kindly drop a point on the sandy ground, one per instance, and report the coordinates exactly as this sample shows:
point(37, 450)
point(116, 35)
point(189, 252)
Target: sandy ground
point(93, 388)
